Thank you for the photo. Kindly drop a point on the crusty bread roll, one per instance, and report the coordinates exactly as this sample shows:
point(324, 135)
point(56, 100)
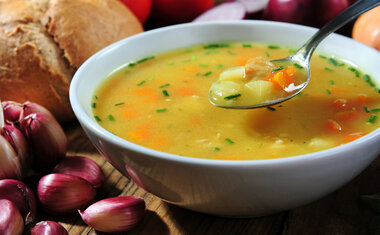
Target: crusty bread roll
point(43, 42)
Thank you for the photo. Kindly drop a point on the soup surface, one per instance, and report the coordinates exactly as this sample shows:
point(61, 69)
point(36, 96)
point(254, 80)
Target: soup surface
point(161, 102)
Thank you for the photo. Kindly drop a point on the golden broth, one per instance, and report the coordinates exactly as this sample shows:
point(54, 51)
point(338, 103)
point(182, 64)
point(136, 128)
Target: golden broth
point(161, 102)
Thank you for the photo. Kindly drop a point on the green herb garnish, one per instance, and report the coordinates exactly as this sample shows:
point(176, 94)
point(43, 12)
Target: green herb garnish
point(219, 66)
point(376, 110)
point(117, 104)
point(246, 45)
point(97, 118)
point(372, 119)
point(170, 63)
point(298, 66)
point(165, 85)
point(93, 105)
point(203, 65)
point(216, 45)
point(328, 91)
point(328, 69)
point(273, 47)
point(232, 96)
point(231, 52)
point(132, 64)
point(367, 78)
point(331, 82)
point(194, 58)
point(267, 54)
point(277, 69)
point(334, 62)
point(161, 110)
point(216, 149)
point(229, 141)
point(322, 56)
point(111, 118)
point(145, 59)
point(207, 74)
point(271, 108)
point(165, 93)
point(366, 109)
point(140, 83)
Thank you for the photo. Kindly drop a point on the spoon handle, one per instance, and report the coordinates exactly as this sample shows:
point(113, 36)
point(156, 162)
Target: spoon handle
point(358, 8)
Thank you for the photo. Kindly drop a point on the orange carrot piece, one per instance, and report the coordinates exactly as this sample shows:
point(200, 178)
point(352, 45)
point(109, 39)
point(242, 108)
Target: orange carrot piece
point(146, 91)
point(362, 99)
point(185, 91)
point(281, 79)
point(348, 115)
point(332, 126)
point(195, 120)
point(337, 90)
point(339, 104)
point(290, 70)
point(140, 134)
point(159, 142)
point(191, 69)
point(128, 114)
point(353, 136)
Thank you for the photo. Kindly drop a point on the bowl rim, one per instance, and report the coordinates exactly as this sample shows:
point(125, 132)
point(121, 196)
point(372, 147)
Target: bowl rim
point(102, 133)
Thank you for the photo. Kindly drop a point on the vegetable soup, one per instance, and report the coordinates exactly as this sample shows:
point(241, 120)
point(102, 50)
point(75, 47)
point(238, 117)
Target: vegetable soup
point(161, 102)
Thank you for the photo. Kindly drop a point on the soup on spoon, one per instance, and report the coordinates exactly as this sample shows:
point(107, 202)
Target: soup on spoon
point(263, 83)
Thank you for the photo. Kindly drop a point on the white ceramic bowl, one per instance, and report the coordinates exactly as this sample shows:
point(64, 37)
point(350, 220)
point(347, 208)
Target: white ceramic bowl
point(225, 188)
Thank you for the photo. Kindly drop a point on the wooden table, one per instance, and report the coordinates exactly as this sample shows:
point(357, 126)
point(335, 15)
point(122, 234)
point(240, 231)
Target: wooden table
point(342, 212)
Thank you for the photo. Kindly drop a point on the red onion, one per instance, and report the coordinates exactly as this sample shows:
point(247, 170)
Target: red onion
point(224, 11)
point(12, 111)
point(64, 194)
point(10, 166)
point(253, 6)
point(82, 167)
point(328, 9)
point(292, 11)
point(48, 228)
point(47, 140)
point(116, 214)
point(11, 222)
point(21, 195)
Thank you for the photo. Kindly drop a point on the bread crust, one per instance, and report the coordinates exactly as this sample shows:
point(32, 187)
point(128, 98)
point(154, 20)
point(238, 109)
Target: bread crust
point(43, 42)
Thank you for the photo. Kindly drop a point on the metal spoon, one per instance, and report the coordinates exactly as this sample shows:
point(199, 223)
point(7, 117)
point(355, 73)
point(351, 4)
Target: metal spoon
point(303, 55)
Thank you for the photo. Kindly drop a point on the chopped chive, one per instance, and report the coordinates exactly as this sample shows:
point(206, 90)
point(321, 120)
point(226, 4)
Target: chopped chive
point(207, 74)
point(165, 93)
point(132, 64)
point(273, 47)
point(267, 54)
point(334, 62)
point(372, 119)
point(161, 110)
point(111, 118)
point(377, 89)
point(229, 141)
point(96, 97)
point(246, 45)
point(211, 52)
point(271, 108)
point(165, 85)
point(97, 118)
point(376, 110)
point(277, 69)
point(232, 96)
point(328, 91)
point(198, 74)
point(203, 65)
point(357, 73)
point(170, 63)
point(366, 109)
point(216, 45)
point(298, 66)
point(322, 56)
point(117, 104)
point(219, 66)
point(328, 69)
point(367, 78)
point(93, 105)
point(292, 51)
point(231, 52)
point(145, 59)
point(331, 82)
point(189, 51)
point(149, 79)
point(127, 71)
point(216, 149)
point(194, 58)
point(140, 83)
point(351, 69)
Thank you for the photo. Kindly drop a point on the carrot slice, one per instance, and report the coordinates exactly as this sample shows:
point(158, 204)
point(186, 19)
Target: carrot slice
point(348, 115)
point(185, 91)
point(339, 104)
point(353, 136)
point(332, 126)
point(281, 79)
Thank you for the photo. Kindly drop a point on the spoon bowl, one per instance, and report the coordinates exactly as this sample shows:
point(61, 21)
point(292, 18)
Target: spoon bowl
point(302, 56)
